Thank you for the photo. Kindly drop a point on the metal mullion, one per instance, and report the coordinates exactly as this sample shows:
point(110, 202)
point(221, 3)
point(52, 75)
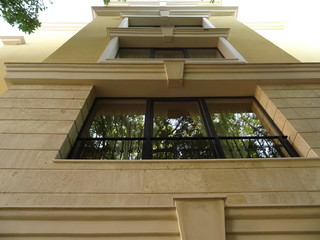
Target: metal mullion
point(148, 131)
point(217, 147)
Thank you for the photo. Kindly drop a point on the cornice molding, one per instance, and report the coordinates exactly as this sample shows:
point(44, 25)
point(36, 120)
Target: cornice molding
point(12, 40)
point(177, 32)
point(201, 11)
point(199, 78)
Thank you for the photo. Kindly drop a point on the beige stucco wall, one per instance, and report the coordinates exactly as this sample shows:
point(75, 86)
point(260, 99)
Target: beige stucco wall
point(38, 46)
point(253, 47)
point(88, 44)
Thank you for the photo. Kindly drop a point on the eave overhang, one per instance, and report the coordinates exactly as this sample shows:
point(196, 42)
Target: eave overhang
point(173, 11)
point(164, 77)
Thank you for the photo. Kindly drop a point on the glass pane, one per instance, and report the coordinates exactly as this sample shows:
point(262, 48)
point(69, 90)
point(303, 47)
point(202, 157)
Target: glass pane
point(204, 53)
point(241, 132)
point(133, 53)
point(178, 119)
point(117, 119)
point(168, 53)
point(235, 117)
point(114, 119)
point(252, 148)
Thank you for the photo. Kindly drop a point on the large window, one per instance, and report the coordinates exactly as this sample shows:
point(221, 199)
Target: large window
point(179, 128)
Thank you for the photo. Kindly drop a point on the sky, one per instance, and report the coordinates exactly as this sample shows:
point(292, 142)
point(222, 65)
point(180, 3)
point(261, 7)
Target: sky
point(300, 18)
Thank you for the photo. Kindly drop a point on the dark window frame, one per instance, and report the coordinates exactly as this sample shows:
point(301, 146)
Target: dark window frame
point(213, 138)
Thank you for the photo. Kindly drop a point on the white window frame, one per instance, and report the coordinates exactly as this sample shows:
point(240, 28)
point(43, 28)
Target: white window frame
point(227, 50)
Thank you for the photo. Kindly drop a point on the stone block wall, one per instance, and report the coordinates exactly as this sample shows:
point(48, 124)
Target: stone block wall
point(38, 125)
point(296, 111)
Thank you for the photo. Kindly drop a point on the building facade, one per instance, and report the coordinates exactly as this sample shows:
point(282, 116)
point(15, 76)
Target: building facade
point(167, 58)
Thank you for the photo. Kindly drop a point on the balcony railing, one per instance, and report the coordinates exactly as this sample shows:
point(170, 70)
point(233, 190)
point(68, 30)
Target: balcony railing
point(182, 148)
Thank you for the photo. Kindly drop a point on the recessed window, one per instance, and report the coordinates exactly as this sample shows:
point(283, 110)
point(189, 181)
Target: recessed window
point(168, 53)
point(179, 128)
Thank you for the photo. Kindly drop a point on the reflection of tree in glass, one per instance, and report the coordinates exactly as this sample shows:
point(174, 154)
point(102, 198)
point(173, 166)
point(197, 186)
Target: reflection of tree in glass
point(243, 124)
point(183, 126)
point(123, 126)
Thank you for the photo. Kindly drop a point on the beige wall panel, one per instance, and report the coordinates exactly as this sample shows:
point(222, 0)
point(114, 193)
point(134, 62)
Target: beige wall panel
point(150, 199)
point(31, 141)
point(107, 227)
point(49, 127)
point(273, 225)
point(161, 181)
point(180, 165)
point(305, 125)
point(297, 102)
point(72, 181)
point(52, 87)
point(39, 114)
point(313, 139)
point(292, 93)
point(240, 164)
point(301, 113)
point(51, 94)
point(106, 223)
point(42, 103)
point(26, 158)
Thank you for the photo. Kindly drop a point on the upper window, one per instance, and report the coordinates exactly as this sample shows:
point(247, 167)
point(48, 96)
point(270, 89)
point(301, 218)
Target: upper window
point(179, 128)
point(169, 53)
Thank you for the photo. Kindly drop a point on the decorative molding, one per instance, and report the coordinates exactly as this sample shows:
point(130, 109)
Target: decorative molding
point(155, 11)
point(201, 218)
point(12, 40)
point(174, 71)
point(176, 32)
point(272, 221)
point(201, 78)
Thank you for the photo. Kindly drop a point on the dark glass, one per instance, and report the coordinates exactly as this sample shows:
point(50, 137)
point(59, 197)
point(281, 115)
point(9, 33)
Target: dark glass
point(236, 118)
point(178, 119)
point(115, 119)
point(168, 53)
point(133, 53)
point(204, 53)
point(197, 128)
